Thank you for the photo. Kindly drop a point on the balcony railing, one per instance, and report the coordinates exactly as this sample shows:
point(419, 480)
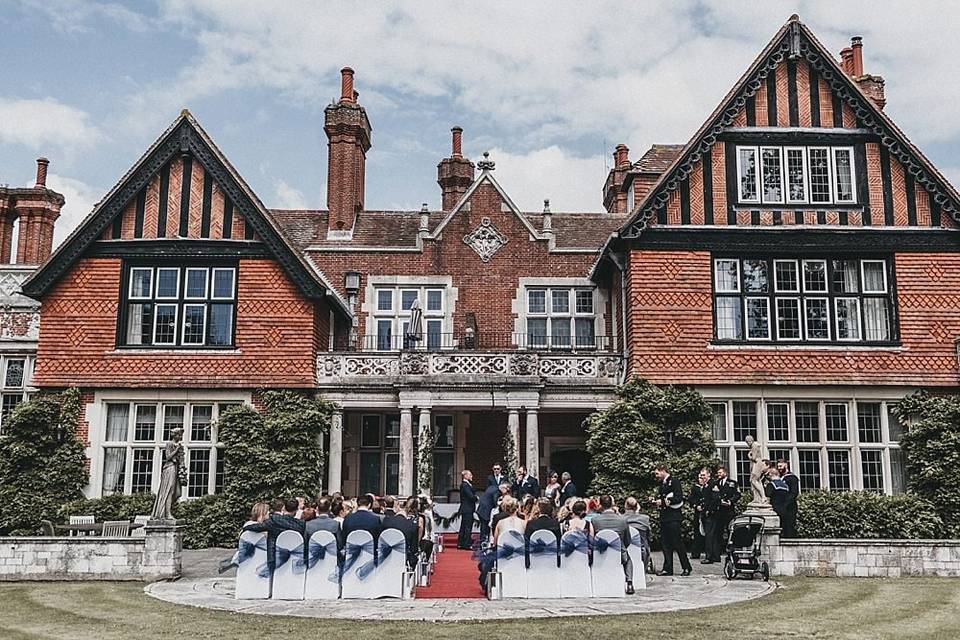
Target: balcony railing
point(480, 341)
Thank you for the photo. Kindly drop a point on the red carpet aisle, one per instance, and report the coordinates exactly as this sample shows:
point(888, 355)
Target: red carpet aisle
point(456, 575)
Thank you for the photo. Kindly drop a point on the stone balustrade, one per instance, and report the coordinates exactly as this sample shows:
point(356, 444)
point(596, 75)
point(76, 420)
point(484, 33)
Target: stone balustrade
point(596, 368)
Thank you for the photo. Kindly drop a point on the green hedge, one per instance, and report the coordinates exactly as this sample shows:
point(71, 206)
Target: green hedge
point(859, 514)
point(115, 507)
point(210, 522)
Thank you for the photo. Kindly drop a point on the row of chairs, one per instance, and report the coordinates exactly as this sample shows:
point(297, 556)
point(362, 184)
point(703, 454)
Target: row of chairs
point(366, 571)
point(577, 567)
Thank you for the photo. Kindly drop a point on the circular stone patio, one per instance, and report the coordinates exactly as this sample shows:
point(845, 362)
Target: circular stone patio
point(661, 594)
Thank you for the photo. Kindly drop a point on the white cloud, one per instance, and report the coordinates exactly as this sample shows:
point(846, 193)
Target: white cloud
point(569, 182)
point(39, 123)
point(80, 200)
point(76, 16)
point(288, 197)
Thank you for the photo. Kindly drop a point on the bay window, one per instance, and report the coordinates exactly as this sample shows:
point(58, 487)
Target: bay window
point(789, 175)
point(185, 307)
point(802, 300)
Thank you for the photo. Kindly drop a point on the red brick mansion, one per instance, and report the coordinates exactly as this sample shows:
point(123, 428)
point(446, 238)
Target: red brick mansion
point(796, 260)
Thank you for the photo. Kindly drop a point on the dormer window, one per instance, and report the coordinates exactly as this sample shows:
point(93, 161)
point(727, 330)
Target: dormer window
point(794, 175)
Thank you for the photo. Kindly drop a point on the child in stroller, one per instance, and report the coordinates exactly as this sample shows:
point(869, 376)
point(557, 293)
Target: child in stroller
point(744, 545)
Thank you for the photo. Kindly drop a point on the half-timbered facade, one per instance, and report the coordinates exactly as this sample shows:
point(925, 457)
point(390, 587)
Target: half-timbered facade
point(794, 260)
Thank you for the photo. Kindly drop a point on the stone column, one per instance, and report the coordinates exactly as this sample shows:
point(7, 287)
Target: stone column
point(424, 433)
point(162, 549)
point(406, 452)
point(533, 444)
point(335, 457)
point(513, 428)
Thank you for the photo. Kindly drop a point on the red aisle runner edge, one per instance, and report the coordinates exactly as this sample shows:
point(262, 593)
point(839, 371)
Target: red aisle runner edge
point(456, 575)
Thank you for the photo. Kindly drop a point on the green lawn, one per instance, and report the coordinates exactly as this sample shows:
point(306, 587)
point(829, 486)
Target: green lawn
point(804, 608)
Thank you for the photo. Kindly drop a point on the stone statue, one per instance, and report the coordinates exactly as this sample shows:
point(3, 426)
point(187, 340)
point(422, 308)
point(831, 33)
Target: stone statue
point(757, 469)
point(170, 471)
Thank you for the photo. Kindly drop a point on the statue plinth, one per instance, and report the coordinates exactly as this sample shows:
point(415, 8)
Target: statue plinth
point(771, 521)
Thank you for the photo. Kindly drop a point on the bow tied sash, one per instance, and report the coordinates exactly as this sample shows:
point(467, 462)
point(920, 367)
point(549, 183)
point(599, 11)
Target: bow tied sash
point(385, 549)
point(315, 553)
point(245, 552)
point(576, 542)
point(600, 545)
point(352, 553)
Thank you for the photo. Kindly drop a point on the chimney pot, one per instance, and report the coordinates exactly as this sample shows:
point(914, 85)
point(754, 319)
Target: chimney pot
point(457, 142)
point(846, 60)
point(856, 60)
point(42, 164)
point(622, 155)
point(346, 85)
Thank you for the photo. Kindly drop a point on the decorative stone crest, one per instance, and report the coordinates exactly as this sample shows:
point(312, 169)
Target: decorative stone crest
point(524, 364)
point(414, 364)
point(486, 240)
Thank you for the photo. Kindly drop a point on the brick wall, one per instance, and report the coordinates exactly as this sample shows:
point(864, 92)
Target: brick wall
point(485, 288)
point(274, 334)
point(671, 327)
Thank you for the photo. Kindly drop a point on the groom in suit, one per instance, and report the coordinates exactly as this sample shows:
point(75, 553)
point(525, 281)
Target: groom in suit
point(468, 505)
point(525, 485)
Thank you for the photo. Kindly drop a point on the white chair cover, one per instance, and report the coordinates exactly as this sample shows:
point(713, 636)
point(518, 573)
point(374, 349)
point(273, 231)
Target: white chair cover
point(607, 569)
point(288, 578)
point(323, 579)
point(511, 564)
point(636, 556)
point(253, 573)
point(358, 564)
point(543, 576)
point(387, 577)
point(575, 580)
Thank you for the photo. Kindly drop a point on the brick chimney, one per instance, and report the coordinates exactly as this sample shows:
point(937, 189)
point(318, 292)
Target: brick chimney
point(348, 132)
point(454, 174)
point(851, 61)
point(614, 198)
point(36, 210)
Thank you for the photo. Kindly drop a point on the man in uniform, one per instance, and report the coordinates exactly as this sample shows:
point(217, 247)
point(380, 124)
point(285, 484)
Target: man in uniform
point(670, 502)
point(697, 501)
point(788, 521)
point(721, 507)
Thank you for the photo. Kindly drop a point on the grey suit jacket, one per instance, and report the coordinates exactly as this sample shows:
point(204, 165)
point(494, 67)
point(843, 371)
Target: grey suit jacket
point(616, 523)
point(324, 523)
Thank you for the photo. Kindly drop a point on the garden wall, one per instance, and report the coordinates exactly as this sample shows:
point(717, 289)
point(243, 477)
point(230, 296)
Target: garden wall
point(155, 556)
point(862, 558)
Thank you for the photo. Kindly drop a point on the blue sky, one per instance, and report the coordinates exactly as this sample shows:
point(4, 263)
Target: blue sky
point(548, 88)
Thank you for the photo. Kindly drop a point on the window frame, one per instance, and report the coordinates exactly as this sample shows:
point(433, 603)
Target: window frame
point(806, 295)
point(398, 318)
point(179, 303)
point(785, 146)
point(552, 340)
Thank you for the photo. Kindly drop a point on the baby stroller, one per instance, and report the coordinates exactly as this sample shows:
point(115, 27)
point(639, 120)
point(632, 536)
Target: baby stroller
point(744, 547)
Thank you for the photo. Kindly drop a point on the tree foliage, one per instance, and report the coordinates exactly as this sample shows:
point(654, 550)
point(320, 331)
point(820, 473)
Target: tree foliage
point(646, 426)
point(272, 454)
point(932, 448)
point(42, 464)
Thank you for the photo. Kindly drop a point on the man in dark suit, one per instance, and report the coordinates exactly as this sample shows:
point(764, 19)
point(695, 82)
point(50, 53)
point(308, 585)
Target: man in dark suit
point(608, 518)
point(698, 495)
point(324, 522)
point(363, 519)
point(723, 496)
point(401, 522)
point(525, 485)
point(389, 506)
point(788, 521)
point(468, 505)
point(485, 504)
point(670, 502)
point(275, 525)
point(496, 478)
point(568, 490)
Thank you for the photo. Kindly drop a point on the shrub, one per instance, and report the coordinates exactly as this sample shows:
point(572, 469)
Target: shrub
point(932, 448)
point(114, 507)
point(646, 426)
point(859, 514)
point(42, 464)
point(271, 454)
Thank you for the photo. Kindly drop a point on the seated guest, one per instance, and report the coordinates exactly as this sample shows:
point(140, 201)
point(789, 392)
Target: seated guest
point(405, 522)
point(376, 504)
point(389, 503)
point(336, 507)
point(527, 506)
point(609, 519)
point(542, 518)
point(425, 510)
point(509, 519)
point(275, 525)
point(576, 522)
point(593, 508)
point(363, 519)
point(501, 514)
point(276, 506)
point(324, 521)
point(640, 522)
point(259, 513)
point(301, 504)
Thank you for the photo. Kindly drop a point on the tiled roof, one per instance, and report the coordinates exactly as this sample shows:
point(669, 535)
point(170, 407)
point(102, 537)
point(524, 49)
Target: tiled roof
point(658, 158)
point(306, 227)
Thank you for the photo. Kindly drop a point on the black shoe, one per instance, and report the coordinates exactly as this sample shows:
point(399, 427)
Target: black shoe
point(706, 561)
point(686, 572)
point(664, 573)
point(630, 590)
